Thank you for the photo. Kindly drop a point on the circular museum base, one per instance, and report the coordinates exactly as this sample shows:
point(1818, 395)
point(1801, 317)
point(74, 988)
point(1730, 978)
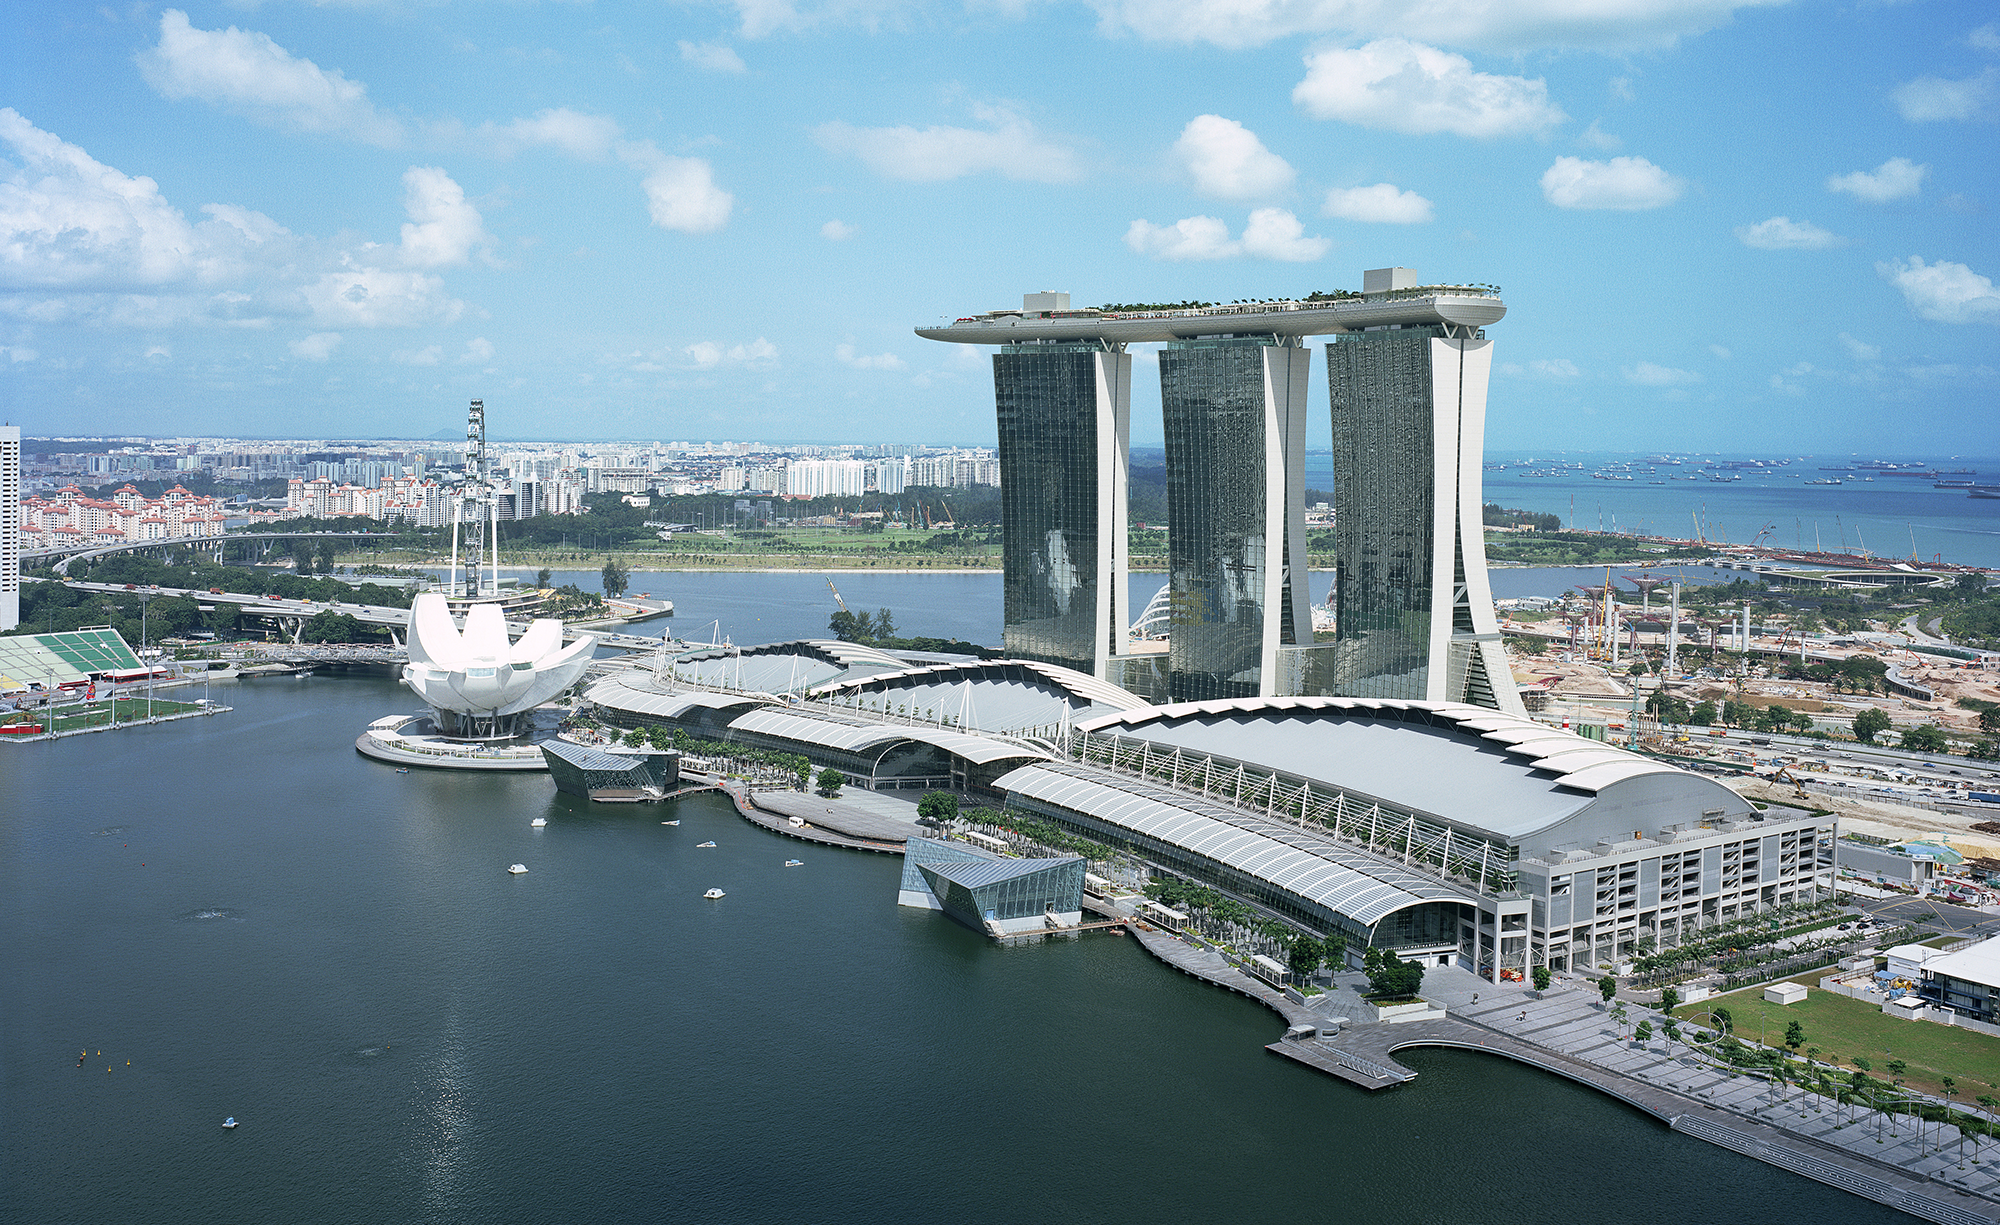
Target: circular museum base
point(412, 740)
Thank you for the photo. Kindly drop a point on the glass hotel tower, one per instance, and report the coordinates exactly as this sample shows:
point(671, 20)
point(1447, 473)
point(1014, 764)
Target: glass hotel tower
point(1407, 371)
point(1065, 416)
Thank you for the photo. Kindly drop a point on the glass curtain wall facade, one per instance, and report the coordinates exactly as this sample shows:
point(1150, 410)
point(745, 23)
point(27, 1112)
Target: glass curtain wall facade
point(1234, 412)
point(1414, 606)
point(1064, 414)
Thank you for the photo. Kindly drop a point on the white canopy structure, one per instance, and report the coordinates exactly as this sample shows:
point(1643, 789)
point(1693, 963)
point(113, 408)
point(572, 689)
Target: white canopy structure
point(478, 681)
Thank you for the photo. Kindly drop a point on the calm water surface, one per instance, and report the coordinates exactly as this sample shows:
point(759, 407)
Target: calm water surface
point(268, 926)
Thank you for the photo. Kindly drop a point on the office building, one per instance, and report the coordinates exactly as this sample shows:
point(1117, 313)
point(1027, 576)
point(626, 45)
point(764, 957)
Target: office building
point(1415, 611)
point(1235, 415)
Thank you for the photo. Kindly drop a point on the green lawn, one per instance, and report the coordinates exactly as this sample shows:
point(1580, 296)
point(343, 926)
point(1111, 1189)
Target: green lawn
point(1843, 1028)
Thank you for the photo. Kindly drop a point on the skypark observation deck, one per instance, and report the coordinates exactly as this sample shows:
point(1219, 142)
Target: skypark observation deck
point(1468, 306)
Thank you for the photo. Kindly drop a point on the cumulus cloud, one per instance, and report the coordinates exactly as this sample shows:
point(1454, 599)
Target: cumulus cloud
point(1408, 87)
point(315, 348)
point(361, 297)
point(247, 72)
point(1227, 160)
point(1595, 137)
point(1553, 369)
point(1944, 291)
point(1008, 146)
point(1494, 25)
point(1271, 233)
point(1892, 180)
point(1624, 183)
point(1929, 99)
point(1860, 350)
point(861, 361)
point(1784, 234)
point(1383, 203)
point(838, 231)
point(1986, 37)
point(681, 192)
point(1647, 374)
point(429, 355)
point(443, 228)
point(707, 354)
point(715, 57)
point(477, 350)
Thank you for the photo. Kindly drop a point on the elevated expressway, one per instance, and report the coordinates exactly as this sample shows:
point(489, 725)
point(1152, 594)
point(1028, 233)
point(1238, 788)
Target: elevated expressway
point(210, 544)
point(1454, 306)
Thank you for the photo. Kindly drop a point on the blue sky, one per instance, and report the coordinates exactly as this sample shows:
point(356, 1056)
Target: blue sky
point(1717, 224)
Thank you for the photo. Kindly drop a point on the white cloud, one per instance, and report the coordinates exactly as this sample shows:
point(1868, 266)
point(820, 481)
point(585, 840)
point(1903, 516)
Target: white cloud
point(838, 231)
point(1271, 233)
point(1558, 369)
point(1646, 374)
point(681, 193)
point(715, 57)
point(429, 355)
point(1860, 350)
point(14, 353)
point(1986, 37)
point(443, 228)
point(707, 354)
point(315, 348)
point(860, 361)
point(1625, 183)
point(1892, 180)
point(1228, 161)
point(164, 352)
point(1382, 203)
point(1408, 87)
point(360, 297)
point(1497, 25)
point(1721, 352)
point(1595, 137)
point(1009, 146)
point(247, 72)
point(1189, 238)
point(1943, 291)
point(477, 350)
point(1928, 99)
point(1784, 234)
point(588, 137)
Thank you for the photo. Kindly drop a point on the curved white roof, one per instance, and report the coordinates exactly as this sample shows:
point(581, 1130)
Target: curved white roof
point(855, 736)
point(1467, 765)
point(631, 693)
point(1360, 886)
point(1010, 694)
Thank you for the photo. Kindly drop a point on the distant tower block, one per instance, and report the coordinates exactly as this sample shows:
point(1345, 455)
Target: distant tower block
point(1064, 412)
point(10, 526)
point(1235, 415)
point(1409, 415)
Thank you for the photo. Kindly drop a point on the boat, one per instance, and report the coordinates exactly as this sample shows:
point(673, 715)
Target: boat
point(518, 868)
point(712, 894)
point(1983, 491)
point(538, 822)
point(229, 1122)
point(704, 844)
point(402, 769)
point(670, 822)
point(1832, 480)
point(795, 863)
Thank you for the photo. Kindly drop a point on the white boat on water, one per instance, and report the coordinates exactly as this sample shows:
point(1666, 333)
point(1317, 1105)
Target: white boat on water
point(670, 822)
point(518, 868)
point(713, 894)
point(538, 822)
point(795, 863)
point(230, 1121)
point(700, 844)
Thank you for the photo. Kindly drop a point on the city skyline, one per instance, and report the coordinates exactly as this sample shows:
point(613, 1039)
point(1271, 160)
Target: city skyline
point(716, 220)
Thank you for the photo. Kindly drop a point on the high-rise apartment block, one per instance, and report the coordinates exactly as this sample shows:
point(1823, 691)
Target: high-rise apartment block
point(1408, 370)
point(10, 526)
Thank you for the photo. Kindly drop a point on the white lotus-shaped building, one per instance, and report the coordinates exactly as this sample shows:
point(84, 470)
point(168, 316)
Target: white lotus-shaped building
point(478, 682)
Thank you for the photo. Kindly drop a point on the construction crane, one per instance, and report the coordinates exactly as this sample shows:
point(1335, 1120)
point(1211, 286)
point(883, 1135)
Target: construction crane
point(836, 595)
point(1783, 774)
point(1762, 532)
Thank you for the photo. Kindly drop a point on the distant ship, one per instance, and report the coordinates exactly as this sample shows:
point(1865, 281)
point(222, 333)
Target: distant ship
point(1829, 480)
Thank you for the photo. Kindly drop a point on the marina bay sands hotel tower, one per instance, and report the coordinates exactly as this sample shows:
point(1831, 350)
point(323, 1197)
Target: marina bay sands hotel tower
point(1407, 369)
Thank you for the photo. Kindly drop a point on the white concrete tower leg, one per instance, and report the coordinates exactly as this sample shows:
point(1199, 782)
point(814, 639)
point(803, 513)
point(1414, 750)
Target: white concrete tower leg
point(1114, 454)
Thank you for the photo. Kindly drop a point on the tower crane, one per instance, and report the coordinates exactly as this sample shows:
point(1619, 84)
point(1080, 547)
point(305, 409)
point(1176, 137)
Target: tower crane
point(836, 595)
